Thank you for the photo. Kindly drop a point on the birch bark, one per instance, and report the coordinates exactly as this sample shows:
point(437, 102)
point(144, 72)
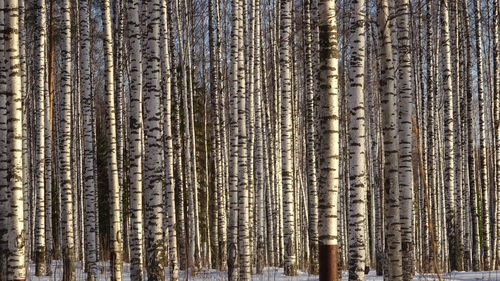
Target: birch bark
point(16, 269)
point(153, 150)
point(4, 188)
point(312, 176)
point(449, 177)
point(116, 227)
point(358, 184)
point(329, 154)
point(406, 105)
point(232, 250)
point(67, 216)
point(40, 38)
point(169, 150)
point(290, 259)
point(89, 144)
point(391, 143)
point(483, 175)
point(135, 142)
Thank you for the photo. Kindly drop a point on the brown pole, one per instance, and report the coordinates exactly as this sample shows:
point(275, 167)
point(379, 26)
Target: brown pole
point(328, 269)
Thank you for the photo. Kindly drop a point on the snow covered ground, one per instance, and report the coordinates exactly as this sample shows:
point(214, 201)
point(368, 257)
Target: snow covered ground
point(270, 274)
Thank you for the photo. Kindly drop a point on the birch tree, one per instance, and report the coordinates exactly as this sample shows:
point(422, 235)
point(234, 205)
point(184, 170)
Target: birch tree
point(358, 185)
point(483, 175)
point(232, 250)
point(153, 147)
point(116, 231)
point(40, 157)
point(178, 168)
point(328, 154)
point(67, 216)
point(311, 140)
point(259, 146)
point(449, 137)
point(89, 144)
point(290, 261)
point(496, 89)
point(16, 269)
point(169, 150)
point(49, 242)
point(135, 141)
point(4, 160)
point(220, 166)
point(406, 103)
point(473, 230)
point(390, 138)
point(243, 188)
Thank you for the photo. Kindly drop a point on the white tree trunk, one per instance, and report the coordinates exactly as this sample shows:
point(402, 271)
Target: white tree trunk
point(328, 155)
point(358, 185)
point(406, 101)
point(65, 168)
point(312, 184)
point(290, 259)
point(449, 169)
point(391, 145)
point(90, 193)
point(49, 243)
point(243, 187)
point(136, 143)
point(153, 147)
point(13, 91)
point(218, 150)
point(496, 81)
point(169, 150)
point(4, 187)
point(40, 137)
point(115, 198)
point(483, 175)
point(178, 168)
point(232, 250)
point(27, 135)
point(259, 147)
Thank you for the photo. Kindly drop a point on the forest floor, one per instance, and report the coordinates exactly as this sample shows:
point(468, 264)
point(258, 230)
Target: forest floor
point(270, 274)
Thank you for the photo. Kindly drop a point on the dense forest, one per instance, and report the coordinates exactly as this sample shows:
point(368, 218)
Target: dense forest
point(175, 137)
